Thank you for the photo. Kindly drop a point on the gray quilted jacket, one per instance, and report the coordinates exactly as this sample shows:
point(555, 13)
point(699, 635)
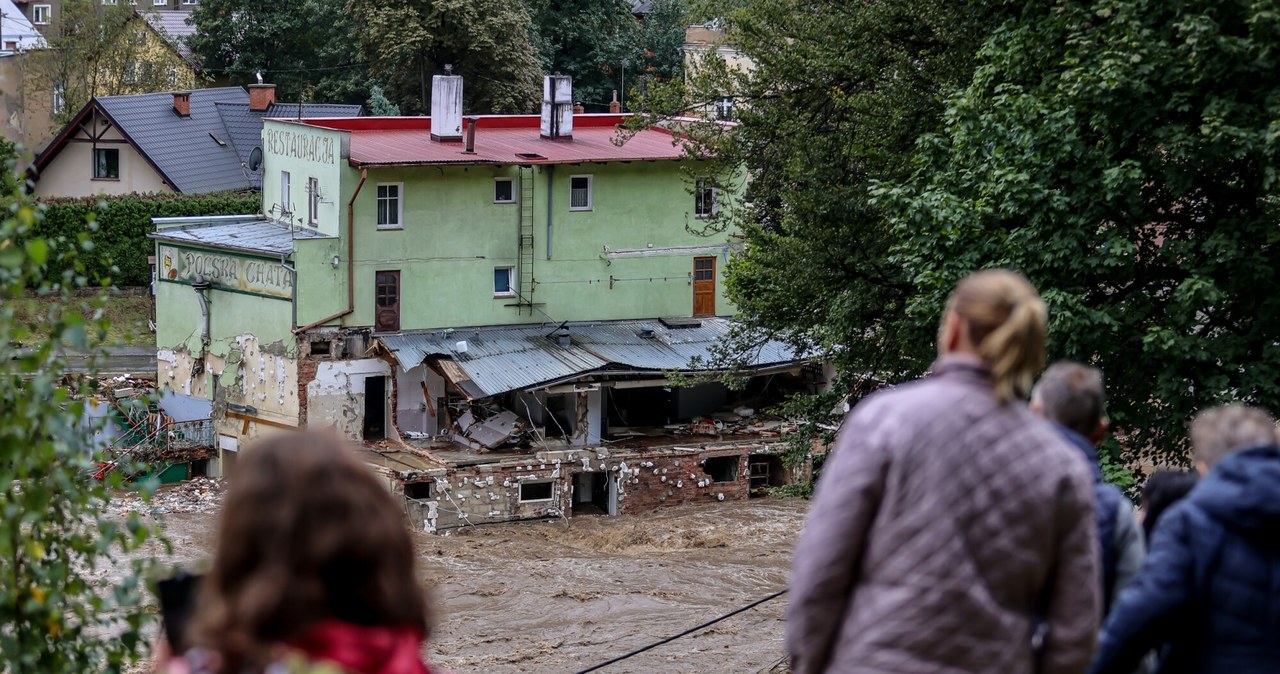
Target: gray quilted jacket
point(944, 528)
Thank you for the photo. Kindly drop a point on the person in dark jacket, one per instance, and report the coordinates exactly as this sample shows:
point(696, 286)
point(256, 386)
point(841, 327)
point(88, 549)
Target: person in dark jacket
point(951, 522)
point(1072, 396)
point(1162, 489)
point(1210, 587)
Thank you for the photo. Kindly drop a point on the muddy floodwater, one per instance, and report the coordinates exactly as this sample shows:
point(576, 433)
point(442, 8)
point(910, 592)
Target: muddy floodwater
point(562, 596)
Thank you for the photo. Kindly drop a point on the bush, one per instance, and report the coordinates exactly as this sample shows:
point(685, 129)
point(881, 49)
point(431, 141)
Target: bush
point(118, 227)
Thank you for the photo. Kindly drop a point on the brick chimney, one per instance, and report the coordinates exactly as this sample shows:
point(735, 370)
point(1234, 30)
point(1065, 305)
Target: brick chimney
point(182, 103)
point(579, 108)
point(261, 96)
point(614, 106)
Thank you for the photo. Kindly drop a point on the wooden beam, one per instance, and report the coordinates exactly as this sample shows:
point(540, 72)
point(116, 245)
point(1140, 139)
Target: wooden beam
point(258, 420)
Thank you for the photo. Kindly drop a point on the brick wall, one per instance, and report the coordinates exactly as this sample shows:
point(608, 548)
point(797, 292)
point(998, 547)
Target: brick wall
point(306, 374)
point(665, 480)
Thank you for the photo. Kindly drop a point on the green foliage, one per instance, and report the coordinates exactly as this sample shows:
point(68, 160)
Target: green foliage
point(303, 46)
point(379, 105)
point(117, 228)
point(53, 527)
point(1123, 154)
point(8, 169)
point(486, 41)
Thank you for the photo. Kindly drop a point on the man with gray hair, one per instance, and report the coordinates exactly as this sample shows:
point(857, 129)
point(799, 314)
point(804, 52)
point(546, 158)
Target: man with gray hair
point(1071, 395)
point(1210, 588)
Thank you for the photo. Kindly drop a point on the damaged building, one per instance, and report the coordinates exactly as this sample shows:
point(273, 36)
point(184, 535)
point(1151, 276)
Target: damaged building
point(516, 314)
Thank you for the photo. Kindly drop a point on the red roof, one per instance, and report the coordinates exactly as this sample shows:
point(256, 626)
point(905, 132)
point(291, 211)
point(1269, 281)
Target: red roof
point(501, 139)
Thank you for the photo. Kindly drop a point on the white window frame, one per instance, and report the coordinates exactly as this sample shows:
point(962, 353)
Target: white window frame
point(173, 76)
point(550, 498)
point(724, 108)
point(509, 181)
point(286, 195)
point(132, 72)
point(108, 2)
point(95, 152)
point(511, 281)
point(313, 201)
point(159, 3)
point(190, 2)
point(699, 186)
point(591, 197)
point(37, 11)
point(58, 99)
point(399, 223)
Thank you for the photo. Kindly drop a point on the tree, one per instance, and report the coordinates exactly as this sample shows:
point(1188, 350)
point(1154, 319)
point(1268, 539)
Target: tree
point(839, 96)
point(303, 46)
point(53, 528)
point(1122, 154)
point(379, 105)
point(486, 41)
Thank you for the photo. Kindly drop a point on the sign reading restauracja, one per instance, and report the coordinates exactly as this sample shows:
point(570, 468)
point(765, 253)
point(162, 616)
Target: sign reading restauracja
point(252, 275)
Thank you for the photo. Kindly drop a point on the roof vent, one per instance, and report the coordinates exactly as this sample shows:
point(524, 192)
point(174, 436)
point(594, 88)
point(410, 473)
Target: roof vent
point(562, 336)
point(647, 333)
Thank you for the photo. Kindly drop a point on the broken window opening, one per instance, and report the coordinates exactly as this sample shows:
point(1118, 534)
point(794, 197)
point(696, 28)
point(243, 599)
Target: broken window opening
point(321, 348)
point(721, 468)
point(418, 491)
point(535, 491)
point(764, 472)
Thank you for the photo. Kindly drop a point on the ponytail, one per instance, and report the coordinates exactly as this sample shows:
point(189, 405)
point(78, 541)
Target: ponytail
point(1007, 321)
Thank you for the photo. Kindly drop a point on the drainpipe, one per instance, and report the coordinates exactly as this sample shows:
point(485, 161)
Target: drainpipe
point(293, 290)
point(351, 269)
point(551, 168)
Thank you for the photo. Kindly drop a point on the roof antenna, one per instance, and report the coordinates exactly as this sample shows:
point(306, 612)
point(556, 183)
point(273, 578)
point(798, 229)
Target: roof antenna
point(259, 75)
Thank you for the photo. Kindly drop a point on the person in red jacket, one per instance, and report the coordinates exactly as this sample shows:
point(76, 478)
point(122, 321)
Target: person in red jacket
point(314, 570)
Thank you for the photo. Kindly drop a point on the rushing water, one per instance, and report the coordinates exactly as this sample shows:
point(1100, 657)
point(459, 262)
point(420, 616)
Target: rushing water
point(562, 596)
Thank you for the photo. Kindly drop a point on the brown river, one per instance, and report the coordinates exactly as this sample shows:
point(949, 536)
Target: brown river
point(565, 595)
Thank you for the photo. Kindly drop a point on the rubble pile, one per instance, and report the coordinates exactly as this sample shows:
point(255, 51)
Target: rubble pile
point(198, 495)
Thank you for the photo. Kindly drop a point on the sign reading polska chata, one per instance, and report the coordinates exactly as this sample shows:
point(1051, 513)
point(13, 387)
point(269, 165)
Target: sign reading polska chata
point(250, 275)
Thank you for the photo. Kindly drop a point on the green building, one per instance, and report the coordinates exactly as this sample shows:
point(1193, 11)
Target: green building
point(480, 293)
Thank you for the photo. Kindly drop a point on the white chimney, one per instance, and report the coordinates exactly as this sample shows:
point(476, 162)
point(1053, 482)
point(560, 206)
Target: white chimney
point(557, 107)
point(446, 106)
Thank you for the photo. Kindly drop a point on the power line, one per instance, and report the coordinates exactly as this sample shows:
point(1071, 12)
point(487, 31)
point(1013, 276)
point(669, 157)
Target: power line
point(687, 632)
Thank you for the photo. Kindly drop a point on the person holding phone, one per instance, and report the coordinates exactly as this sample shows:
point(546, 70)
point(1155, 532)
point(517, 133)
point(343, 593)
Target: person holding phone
point(314, 572)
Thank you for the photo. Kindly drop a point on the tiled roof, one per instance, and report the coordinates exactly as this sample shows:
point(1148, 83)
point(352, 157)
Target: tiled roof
point(174, 26)
point(193, 152)
point(509, 139)
point(248, 233)
point(207, 151)
point(510, 358)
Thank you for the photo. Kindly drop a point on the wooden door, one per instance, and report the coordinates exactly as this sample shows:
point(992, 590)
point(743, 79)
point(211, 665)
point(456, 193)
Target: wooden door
point(704, 286)
point(386, 307)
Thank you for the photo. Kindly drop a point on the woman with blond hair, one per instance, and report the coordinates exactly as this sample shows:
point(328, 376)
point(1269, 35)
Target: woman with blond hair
point(953, 530)
point(314, 571)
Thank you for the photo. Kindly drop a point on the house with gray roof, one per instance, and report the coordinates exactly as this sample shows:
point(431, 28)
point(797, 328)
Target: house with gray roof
point(187, 141)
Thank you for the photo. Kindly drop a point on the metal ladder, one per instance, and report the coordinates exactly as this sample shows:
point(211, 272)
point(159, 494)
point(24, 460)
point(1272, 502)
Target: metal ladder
point(525, 284)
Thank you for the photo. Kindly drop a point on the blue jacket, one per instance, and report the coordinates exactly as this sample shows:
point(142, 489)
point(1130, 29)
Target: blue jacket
point(1210, 587)
point(1107, 500)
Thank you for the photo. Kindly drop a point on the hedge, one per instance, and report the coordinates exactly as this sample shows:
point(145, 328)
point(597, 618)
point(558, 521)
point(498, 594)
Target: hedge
point(121, 224)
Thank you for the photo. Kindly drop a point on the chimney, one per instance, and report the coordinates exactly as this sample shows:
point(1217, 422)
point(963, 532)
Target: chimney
point(446, 106)
point(182, 103)
point(261, 96)
point(471, 136)
point(614, 106)
point(557, 107)
point(579, 108)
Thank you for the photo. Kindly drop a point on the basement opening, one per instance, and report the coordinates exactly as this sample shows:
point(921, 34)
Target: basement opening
point(721, 468)
point(593, 494)
point(765, 471)
point(418, 491)
point(535, 491)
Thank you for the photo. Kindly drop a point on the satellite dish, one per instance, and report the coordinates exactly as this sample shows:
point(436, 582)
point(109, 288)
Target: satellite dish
point(255, 159)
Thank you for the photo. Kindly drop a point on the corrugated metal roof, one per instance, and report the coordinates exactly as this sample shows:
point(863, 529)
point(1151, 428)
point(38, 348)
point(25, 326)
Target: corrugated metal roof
point(510, 358)
point(504, 139)
point(248, 233)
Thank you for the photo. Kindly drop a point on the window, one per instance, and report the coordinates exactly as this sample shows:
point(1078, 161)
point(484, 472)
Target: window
point(390, 206)
point(502, 282)
point(387, 301)
point(106, 164)
point(286, 196)
point(189, 2)
point(504, 191)
point(58, 102)
point(159, 3)
point(721, 468)
point(108, 2)
point(313, 202)
point(173, 76)
point(130, 74)
point(579, 193)
point(40, 14)
point(724, 108)
point(418, 491)
point(704, 198)
point(535, 491)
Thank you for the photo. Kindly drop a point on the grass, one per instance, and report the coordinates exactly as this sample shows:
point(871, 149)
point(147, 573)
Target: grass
point(128, 317)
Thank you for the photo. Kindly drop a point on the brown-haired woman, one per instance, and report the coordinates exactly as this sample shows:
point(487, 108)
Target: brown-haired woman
point(951, 526)
point(314, 566)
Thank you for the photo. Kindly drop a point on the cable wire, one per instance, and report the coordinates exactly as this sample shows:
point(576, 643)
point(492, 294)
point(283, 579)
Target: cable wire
point(687, 632)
